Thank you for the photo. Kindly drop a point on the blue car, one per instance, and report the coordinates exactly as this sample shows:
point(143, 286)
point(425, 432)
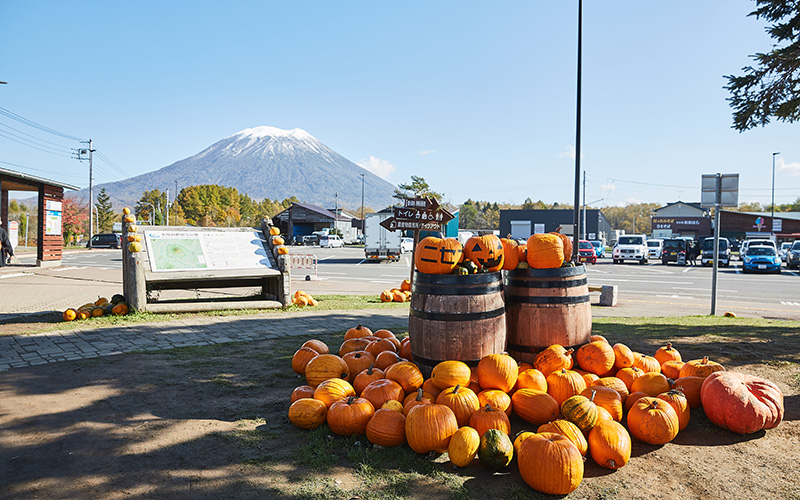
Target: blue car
point(599, 248)
point(761, 259)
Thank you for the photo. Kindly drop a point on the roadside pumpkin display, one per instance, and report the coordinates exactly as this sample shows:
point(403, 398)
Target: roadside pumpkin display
point(437, 255)
point(485, 251)
point(578, 414)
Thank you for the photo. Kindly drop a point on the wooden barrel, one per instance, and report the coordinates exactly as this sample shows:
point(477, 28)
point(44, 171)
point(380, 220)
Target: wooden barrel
point(456, 317)
point(546, 307)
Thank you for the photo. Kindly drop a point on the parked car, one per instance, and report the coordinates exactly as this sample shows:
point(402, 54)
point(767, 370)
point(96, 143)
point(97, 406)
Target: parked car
point(406, 245)
point(783, 251)
point(310, 240)
point(630, 247)
point(599, 248)
point(105, 240)
point(793, 256)
point(761, 258)
point(586, 252)
point(331, 241)
point(723, 252)
point(654, 248)
point(677, 250)
point(749, 243)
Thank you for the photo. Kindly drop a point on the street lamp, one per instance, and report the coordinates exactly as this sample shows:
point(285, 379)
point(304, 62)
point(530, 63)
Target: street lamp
point(152, 212)
point(362, 206)
point(772, 216)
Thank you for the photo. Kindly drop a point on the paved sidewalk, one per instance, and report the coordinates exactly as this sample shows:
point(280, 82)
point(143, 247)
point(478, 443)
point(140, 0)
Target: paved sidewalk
point(30, 350)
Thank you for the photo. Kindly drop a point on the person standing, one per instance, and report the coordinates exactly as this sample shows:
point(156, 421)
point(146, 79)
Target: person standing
point(6, 250)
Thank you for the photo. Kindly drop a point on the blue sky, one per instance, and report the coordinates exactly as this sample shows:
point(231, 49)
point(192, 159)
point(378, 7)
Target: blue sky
point(477, 98)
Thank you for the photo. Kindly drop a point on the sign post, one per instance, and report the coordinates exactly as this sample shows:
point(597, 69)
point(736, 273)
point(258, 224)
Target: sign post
point(718, 190)
point(417, 214)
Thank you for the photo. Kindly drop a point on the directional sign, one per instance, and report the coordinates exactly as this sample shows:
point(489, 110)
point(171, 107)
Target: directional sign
point(392, 224)
point(423, 203)
point(416, 215)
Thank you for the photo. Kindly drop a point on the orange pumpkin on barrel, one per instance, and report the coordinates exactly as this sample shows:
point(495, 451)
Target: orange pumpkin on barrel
point(437, 255)
point(545, 251)
point(486, 251)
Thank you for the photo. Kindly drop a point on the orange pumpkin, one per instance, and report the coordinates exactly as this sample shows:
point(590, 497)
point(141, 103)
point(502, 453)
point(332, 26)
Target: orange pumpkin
point(596, 357)
point(700, 368)
point(366, 377)
point(487, 417)
point(308, 413)
point(553, 358)
point(535, 407)
point(449, 373)
point(437, 255)
point(496, 399)
point(70, 314)
point(564, 384)
point(429, 427)
point(485, 251)
point(510, 253)
point(623, 356)
point(462, 400)
point(667, 353)
point(355, 332)
point(348, 417)
point(609, 444)
point(497, 371)
point(568, 429)
point(387, 428)
point(550, 463)
point(567, 242)
point(653, 421)
point(545, 251)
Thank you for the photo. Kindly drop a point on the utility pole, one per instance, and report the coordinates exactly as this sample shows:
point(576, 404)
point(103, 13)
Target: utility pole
point(584, 204)
point(576, 210)
point(166, 223)
point(362, 206)
point(91, 196)
point(336, 213)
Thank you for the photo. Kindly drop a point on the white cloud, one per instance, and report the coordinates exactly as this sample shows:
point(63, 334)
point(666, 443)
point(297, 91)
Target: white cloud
point(427, 152)
point(570, 153)
point(608, 187)
point(792, 168)
point(381, 168)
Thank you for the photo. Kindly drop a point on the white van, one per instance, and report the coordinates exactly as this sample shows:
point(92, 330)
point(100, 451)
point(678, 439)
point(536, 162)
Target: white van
point(331, 241)
point(630, 247)
point(654, 248)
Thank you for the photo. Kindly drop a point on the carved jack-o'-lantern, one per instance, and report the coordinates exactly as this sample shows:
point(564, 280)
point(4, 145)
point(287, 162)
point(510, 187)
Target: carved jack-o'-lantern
point(486, 251)
point(437, 255)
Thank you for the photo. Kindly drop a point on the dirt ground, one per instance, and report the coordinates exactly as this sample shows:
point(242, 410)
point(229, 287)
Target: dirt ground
point(210, 422)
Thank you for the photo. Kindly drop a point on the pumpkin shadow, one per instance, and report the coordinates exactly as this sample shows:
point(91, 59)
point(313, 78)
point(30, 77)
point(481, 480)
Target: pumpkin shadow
point(591, 469)
point(639, 448)
point(791, 406)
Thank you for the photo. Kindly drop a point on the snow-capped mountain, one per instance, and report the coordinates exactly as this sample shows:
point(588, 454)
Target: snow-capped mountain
point(265, 162)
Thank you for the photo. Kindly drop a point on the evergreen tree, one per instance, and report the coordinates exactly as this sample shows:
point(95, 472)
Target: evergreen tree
point(772, 88)
point(105, 214)
point(416, 189)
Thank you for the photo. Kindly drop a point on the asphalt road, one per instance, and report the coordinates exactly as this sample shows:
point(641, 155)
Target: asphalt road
point(652, 289)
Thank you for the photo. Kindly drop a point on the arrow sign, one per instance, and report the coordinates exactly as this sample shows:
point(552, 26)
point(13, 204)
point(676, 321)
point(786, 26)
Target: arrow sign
point(390, 224)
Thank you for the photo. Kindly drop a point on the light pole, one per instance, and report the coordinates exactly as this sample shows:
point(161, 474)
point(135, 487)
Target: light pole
point(772, 216)
point(362, 206)
point(27, 223)
point(152, 212)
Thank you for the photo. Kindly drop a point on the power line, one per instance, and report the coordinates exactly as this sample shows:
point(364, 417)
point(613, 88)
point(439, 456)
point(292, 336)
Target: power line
point(33, 124)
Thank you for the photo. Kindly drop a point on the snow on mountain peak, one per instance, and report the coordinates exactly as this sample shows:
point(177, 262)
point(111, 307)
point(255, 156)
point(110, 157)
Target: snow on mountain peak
point(265, 131)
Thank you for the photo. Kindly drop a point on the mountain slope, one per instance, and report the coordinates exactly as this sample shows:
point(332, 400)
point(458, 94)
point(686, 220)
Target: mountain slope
point(265, 162)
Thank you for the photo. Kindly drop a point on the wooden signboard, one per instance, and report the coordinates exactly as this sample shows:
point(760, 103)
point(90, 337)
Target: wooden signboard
point(418, 214)
point(191, 258)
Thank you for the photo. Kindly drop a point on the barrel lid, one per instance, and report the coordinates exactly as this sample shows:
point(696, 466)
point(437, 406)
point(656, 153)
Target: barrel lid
point(558, 272)
point(458, 279)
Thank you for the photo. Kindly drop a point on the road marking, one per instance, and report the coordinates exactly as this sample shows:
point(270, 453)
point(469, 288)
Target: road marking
point(676, 297)
point(361, 262)
point(14, 275)
point(703, 289)
point(789, 303)
point(652, 281)
point(382, 281)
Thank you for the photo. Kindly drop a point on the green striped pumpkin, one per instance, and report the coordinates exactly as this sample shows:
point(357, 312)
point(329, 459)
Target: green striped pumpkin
point(580, 411)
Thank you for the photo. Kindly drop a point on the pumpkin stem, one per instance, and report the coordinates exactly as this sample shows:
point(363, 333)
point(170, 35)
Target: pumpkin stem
point(350, 399)
point(456, 388)
point(612, 463)
point(669, 346)
point(593, 394)
point(489, 407)
point(705, 360)
point(420, 392)
point(371, 367)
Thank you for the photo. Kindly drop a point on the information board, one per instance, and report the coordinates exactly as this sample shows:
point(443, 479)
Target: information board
point(197, 250)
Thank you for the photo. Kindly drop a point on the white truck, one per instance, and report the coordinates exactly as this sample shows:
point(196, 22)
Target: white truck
point(379, 242)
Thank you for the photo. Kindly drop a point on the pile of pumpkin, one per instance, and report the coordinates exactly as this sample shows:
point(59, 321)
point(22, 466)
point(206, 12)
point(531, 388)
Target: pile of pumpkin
point(489, 253)
point(117, 306)
point(401, 294)
point(302, 299)
point(372, 388)
point(277, 241)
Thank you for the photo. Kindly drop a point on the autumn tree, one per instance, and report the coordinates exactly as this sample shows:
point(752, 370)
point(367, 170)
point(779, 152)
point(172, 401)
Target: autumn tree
point(150, 207)
point(74, 217)
point(772, 87)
